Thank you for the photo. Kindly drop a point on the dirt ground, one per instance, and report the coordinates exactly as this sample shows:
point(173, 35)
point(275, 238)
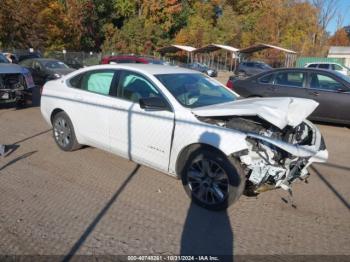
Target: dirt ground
point(92, 202)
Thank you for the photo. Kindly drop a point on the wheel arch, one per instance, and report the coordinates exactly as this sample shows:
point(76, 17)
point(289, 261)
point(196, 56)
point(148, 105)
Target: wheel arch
point(55, 112)
point(186, 151)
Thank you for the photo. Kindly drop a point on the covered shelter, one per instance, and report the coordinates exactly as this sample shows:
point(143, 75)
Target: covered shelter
point(210, 51)
point(177, 48)
point(290, 55)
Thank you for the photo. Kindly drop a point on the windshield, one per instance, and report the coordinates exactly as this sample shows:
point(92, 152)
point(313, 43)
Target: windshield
point(196, 90)
point(54, 65)
point(3, 59)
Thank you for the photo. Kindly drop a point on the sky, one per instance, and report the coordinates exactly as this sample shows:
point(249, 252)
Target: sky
point(344, 7)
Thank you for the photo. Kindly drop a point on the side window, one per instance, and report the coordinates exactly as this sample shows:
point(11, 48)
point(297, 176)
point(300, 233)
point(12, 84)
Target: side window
point(98, 81)
point(133, 87)
point(323, 66)
point(266, 79)
point(295, 79)
point(27, 63)
point(324, 82)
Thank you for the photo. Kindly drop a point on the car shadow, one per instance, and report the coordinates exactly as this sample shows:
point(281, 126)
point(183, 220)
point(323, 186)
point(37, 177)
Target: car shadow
point(331, 187)
point(91, 227)
point(207, 232)
point(26, 155)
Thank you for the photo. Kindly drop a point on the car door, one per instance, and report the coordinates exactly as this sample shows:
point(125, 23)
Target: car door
point(93, 98)
point(332, 95)
point(287, 83)
point(141, 135)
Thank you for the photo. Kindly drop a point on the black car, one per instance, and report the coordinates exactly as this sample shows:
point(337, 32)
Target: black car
point(26, 55)
point(204, 69)
point(329, 88)
point(45, 69)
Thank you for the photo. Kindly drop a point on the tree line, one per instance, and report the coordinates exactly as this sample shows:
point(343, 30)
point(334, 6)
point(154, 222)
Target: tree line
point(141, 26)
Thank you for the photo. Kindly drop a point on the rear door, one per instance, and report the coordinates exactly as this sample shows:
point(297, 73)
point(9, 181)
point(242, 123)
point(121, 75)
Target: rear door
point(92, 95)
point(333, 96)
point(288, 83)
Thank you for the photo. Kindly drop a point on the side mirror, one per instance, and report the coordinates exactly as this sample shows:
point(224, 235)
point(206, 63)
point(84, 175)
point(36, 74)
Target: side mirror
point(153, 103)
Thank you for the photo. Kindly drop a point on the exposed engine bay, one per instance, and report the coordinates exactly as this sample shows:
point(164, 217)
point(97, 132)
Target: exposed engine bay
point(12, 87)
point(275, 157)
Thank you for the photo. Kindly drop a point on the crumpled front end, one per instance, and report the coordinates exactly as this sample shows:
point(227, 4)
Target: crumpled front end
point(276, 162)
point(13, 85)
point(274, 157)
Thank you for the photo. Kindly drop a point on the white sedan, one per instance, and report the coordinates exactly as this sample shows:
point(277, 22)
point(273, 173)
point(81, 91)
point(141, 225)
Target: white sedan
point(188, 125)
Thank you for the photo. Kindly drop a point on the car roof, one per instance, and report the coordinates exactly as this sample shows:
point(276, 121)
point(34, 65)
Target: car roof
point(152, 69)
point(305, 69)
point(317, 63)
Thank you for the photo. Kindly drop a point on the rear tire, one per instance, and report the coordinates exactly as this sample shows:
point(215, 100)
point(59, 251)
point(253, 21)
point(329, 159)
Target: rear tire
point(212, 180)
point(63, 132)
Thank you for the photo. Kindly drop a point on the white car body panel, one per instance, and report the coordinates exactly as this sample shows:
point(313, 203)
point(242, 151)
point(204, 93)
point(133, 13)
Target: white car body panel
point(157, 138)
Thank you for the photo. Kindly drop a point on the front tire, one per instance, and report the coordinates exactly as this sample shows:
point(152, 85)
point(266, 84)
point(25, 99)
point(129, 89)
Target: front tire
point(212, 180)
point(63, 132)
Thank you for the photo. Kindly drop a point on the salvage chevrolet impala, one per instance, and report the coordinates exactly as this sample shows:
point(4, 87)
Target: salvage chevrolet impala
point(188, 125)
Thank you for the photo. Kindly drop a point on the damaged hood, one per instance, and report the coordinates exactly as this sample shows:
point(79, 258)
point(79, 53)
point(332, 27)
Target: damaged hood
point(279, 111)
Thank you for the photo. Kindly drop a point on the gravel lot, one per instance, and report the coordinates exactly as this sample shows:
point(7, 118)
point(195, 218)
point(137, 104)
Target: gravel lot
point(93, 202)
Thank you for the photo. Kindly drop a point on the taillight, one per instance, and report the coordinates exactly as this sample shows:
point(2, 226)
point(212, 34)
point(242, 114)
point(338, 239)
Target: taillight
point(229, 84)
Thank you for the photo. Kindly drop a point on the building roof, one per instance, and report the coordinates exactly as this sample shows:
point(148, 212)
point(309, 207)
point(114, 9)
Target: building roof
point(259, 47)
point(339, 50)
point(215, 47)
point(175, 48)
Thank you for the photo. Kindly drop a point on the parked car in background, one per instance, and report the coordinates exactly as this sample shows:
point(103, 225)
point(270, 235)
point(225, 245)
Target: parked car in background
point(15, 82)
point(26, 55)
point(127, 59)
point(250, 68)
point(188, 125)
point(203, 68)
point(330, 89)
point(45, 69)
point(330, 66)
point(73, 63)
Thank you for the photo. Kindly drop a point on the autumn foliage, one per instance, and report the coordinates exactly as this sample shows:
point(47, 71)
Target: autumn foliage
point(140, 26)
